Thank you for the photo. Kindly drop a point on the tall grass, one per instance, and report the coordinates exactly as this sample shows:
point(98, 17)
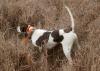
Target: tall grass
point(49, 14)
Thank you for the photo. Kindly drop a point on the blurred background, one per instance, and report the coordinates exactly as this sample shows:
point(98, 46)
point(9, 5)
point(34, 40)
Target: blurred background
point(51, 15)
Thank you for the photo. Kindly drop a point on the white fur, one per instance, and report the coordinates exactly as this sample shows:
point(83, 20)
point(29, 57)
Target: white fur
point(18, 29)
point(61, 31)
point(71, 17)
point(51, 43)
point(37, 33)
point(67, 42)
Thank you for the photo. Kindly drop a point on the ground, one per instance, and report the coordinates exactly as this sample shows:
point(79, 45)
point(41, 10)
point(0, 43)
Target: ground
point(51, 15)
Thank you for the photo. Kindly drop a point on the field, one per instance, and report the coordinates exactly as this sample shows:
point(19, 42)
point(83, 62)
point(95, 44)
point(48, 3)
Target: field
point(51, 15)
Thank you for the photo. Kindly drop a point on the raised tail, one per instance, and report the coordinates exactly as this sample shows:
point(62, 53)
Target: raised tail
point(71, 17)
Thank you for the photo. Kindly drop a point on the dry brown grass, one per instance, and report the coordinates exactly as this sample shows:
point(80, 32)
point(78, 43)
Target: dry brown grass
point(50, 13)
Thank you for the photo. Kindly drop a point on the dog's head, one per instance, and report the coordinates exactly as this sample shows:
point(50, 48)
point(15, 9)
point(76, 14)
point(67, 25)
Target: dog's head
point(25, 32)
point(25, 28)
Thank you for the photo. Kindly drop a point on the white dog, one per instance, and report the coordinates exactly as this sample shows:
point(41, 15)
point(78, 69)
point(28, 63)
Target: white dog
point(39, 37)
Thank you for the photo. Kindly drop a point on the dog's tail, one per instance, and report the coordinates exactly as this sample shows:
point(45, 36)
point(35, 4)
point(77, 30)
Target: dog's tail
point(72, 18)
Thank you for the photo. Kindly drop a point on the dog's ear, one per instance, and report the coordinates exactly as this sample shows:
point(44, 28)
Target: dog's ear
point(22, 28)
point(18, 29)
point(23, 37)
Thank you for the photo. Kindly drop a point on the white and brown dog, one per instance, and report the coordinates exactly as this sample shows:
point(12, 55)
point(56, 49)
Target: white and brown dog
point(66, 37)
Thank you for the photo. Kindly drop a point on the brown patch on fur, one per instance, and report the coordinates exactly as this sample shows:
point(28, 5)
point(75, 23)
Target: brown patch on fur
point(25, 37)
point(23, 27)
point(44, 38)
point(68, 29)
point(25, 40)
point(57, 38)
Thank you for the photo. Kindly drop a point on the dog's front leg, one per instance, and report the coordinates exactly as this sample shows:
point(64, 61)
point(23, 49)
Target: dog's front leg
point(69, 58)
point(40, 49)
point(67, 52)
point(43, 45)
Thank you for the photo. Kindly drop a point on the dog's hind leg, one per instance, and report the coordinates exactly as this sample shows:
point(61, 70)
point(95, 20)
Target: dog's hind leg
point(77, 42)
point(68, 55)
point(67, 52)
